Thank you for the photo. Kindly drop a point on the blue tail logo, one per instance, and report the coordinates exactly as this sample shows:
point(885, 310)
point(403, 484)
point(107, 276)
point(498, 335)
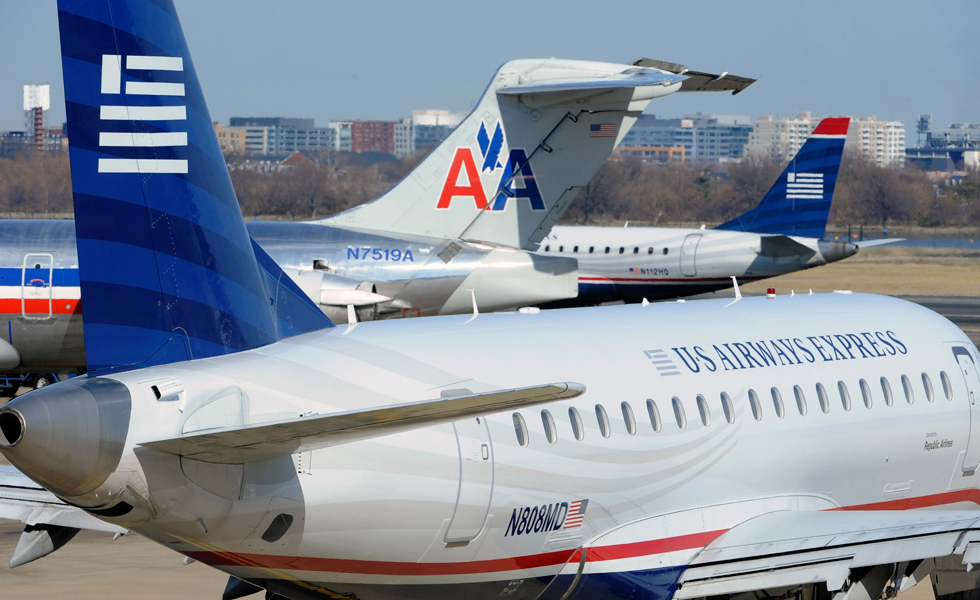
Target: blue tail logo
point(167, 269)
point(799, 202)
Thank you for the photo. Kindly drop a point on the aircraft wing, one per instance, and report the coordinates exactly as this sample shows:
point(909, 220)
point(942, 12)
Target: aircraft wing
point(268, 440)
point(782, 245)
point(787, 548)
point(697, 81)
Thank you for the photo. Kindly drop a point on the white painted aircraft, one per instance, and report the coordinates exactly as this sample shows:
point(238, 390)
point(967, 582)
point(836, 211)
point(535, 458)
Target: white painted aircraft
point(783, 234)
point(682, 450)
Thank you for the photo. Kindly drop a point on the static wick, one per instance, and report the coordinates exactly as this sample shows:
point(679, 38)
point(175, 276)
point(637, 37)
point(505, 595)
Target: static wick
point(738, 292)
point(351, 319)
point(476, 309)
point(645, 302)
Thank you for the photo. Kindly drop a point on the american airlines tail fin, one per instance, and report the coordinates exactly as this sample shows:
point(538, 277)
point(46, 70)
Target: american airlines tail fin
point(168, 272)
point(799, 202)
point(539, 133)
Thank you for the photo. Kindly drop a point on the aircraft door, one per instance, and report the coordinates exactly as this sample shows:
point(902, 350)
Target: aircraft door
point(688, 251)
point(475, 480)
point(968, 368)
point(36, 286)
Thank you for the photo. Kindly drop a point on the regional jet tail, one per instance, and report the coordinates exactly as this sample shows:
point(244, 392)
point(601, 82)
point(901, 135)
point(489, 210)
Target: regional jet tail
point(535, 139)
point(799, 202)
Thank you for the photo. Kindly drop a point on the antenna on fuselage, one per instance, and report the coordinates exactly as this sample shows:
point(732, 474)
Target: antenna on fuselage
point(738, 292)
point(351, 319)
point(476, 309)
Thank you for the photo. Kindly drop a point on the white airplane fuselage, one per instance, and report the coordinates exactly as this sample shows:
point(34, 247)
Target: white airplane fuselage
point(632, 263)
point(438, 512)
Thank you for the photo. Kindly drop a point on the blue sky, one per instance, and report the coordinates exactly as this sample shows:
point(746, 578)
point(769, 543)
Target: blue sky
point(379, 60)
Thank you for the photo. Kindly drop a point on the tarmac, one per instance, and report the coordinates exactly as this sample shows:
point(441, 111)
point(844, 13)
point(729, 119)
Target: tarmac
point(94, 567)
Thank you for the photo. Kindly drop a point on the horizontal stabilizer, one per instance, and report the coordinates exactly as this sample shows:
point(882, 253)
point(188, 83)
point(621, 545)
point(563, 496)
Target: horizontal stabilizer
point(269, 440)
point(881, 242)
point(784, 549)
point(782, 245)
point(630, 78)
point(697, 81)
point(23, 500)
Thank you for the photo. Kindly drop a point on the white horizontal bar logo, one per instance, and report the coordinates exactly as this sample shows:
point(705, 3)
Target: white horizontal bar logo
point(112, 83)
point(141, 165)
point(804, 185)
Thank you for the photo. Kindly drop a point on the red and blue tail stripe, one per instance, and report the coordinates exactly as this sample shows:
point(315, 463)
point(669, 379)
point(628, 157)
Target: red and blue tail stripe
point(799, 202)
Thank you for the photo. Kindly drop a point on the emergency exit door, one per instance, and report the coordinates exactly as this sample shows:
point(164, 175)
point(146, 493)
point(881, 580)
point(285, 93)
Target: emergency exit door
point(475, 480)
point(968, 368)
point(688, 251)
point(36, 286)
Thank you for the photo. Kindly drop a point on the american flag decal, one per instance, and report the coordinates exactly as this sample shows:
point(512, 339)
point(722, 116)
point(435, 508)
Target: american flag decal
point(804, 185)
point(576, 514)
point(602, 130)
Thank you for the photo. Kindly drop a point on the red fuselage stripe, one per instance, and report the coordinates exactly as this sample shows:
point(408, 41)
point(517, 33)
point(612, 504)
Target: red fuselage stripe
point(549, 559)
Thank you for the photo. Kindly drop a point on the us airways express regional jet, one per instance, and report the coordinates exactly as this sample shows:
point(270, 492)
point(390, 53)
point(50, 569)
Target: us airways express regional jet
point(682, 450)
point(783, 234)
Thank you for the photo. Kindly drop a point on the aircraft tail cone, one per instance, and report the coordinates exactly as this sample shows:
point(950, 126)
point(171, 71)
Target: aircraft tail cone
point(67, 437)
point(835, 251)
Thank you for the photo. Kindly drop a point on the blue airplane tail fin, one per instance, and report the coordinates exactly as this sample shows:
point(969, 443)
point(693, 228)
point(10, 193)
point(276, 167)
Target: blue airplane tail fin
point(168, 271)
point(799, 202)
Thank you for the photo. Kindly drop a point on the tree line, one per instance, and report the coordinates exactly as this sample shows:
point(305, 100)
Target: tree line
point(624, 189)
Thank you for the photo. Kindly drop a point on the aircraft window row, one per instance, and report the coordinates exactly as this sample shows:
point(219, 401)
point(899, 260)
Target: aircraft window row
point(622, 249)
point(704, 410)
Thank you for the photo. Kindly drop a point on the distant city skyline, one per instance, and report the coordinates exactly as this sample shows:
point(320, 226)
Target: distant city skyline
point(312, 59)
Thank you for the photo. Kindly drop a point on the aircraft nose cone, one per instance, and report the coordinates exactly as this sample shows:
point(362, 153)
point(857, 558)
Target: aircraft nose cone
point(68, 437)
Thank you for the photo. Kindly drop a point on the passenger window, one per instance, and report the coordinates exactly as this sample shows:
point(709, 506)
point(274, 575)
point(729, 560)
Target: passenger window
point(576, 419)
point(704, 410)
point(561, 248)
point(886, 389)
point(822, 398)
point(756, 407)
point(907, 387)
point(777, 402)
point(547, 248)
point(521, 429)
point(679, 415)
point(636, 250)
point(575, 249)
point(550, 431)
point(927, 386)
point(866, 393)
point(621, 249)
point(845, 397)
point(800, 399)
point(649, 250)
point(591, 249)
point(628, 418)
point(665, 252)
point(726, 405)
point(947, 386)
point(603, 419)
point(654, 413)
point(607, 249)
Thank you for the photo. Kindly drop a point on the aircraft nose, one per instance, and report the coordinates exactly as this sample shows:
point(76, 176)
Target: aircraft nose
point(68, 437)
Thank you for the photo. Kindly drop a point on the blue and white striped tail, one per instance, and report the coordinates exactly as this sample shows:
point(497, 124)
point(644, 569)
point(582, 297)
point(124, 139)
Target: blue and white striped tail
point(167, 269)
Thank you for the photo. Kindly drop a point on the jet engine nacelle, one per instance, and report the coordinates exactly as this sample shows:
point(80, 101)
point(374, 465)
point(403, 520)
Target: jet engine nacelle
point(330, 289)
